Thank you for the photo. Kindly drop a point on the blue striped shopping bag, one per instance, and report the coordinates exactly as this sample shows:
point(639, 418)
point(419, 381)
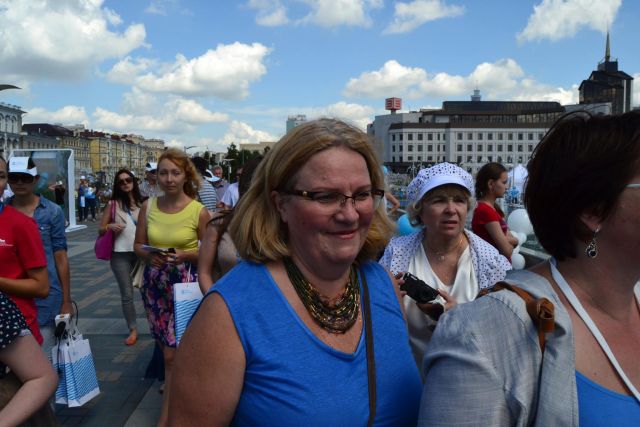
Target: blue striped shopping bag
point(186, 298)
point(78, 382)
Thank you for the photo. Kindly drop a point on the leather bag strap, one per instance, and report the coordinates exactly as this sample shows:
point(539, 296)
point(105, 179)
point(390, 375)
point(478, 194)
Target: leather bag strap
point(371, 362)
point(541, 310)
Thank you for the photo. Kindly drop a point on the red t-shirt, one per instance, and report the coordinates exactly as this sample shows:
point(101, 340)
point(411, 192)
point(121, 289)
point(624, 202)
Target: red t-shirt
point(21, 250)
point(482, 215)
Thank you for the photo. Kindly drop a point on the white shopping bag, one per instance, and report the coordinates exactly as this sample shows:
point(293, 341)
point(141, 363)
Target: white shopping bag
point(78, 382)
point(186, 298)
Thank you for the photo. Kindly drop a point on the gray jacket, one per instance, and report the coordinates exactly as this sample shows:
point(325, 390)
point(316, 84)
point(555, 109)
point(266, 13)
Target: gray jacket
point(483, 364)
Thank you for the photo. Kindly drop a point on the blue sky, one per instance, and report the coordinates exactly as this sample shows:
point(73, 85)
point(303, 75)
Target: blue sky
point(208, 73)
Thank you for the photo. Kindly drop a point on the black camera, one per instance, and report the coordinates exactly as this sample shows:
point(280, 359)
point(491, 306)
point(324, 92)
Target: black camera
point(417, 289)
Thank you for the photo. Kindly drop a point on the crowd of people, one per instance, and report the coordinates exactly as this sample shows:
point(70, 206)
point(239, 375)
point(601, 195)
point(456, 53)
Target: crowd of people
point(306, 318)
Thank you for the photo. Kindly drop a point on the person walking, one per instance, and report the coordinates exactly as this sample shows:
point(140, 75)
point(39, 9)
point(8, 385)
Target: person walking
point(149, 186)
point(174, 224)
point(125, 202)
point(51, 224)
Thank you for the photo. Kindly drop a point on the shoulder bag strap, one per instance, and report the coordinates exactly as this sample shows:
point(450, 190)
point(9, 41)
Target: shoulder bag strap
point(113, 211)
point(541, 310)
point(371, 361)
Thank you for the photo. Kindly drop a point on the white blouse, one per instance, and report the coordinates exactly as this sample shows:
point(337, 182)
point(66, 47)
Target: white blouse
point(464, 289)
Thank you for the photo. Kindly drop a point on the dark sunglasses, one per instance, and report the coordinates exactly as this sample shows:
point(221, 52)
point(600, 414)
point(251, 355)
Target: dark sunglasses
point(14, 178)
point(125, 181)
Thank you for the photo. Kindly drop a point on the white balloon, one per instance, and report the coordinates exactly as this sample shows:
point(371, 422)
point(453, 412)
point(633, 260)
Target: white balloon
point(522, 237)
point(517, 261)
point(516, 250)
point(518, 221)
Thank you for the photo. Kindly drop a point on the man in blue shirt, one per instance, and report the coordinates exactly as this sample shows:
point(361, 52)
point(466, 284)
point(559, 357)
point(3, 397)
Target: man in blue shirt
point(23, 176)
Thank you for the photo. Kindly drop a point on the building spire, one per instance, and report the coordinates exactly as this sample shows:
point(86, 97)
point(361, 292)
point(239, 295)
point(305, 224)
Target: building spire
point(607, 51)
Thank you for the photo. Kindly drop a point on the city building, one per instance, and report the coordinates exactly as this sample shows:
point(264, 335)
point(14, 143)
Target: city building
point(468, 133)
point(608, 84)
point(293, 121)
point(10, 127)
point(45, 135)
point(259, 147)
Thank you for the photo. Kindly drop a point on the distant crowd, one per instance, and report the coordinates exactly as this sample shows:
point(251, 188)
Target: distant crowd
point(315, 312)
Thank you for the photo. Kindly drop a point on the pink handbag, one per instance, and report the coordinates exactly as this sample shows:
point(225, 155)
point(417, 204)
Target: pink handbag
point(104, 243)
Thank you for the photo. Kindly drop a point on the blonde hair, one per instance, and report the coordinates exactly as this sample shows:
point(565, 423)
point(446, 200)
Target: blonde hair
point(256, 228)
point(180, 158)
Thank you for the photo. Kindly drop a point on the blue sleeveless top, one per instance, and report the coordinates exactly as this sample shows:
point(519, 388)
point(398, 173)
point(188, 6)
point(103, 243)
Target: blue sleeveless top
point(600, 407)
point(292, 378)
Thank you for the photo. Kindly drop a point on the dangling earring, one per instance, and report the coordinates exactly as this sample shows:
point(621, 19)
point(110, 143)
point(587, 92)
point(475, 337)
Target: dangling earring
point(592, 247)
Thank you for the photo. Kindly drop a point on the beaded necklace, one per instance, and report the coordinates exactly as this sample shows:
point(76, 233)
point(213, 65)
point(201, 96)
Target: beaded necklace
point(336, 317)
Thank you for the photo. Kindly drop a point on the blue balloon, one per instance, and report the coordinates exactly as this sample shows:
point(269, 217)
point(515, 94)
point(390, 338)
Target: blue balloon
point(405, 227)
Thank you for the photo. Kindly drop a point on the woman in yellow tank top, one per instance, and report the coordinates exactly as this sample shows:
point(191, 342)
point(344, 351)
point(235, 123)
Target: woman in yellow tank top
point(173, 221)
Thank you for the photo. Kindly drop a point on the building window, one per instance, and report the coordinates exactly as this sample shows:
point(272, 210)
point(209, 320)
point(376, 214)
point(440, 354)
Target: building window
point(410, 158)
point(500, 147)
point(480, 136)
point(420, 135)
point(510, 148)
point(530, 137)
point(539, 136)
point(459, 147)
point(430, 158)
point(393, 136)
point(410, 147)
point(520, 136)
point(420, 147)
point(430, 147)
point(459, 159)
point(419, 158)
point(500, 135)
point(490, 136)
point(490, 158)
point(530, 148)
point(489, 147)
point(400, 148)
point(429, 136)
point(393, 148)
point(400, 135)
point(479, 147)
point(520, 148)
point(479, 159)
point(469, 159)
point(410, 137)
point(510, 136)
point(469, 147)
point(469, 136)
point(459, 136)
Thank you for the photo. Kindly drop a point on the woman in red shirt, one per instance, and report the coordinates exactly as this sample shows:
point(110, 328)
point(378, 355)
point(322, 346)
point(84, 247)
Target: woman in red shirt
point(23, 266)
point(488, 219)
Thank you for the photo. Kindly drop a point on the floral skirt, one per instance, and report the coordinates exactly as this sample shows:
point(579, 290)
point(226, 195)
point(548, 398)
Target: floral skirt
point(157, 296)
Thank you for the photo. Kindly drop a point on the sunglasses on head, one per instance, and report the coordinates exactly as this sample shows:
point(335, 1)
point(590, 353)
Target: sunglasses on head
point(14, 178)
point(125, 181)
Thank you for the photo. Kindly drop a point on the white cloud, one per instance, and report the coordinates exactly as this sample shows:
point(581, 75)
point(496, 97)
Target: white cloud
point(242, 133)
point(225, 72)
point(145, 113)
point(192, 112)
point(503, 79)
point(334, 13)
point(558, 19)
point(69, 115)
point(61, 39)
point(393, 79)
point(409, 16)
point(271, 13)
point(324, 13)
point(356, 114)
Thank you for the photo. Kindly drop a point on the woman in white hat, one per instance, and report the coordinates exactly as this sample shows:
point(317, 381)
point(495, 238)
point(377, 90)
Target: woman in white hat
point(443, 254)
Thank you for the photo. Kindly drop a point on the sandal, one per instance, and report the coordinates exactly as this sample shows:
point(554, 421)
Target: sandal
point(132, 338)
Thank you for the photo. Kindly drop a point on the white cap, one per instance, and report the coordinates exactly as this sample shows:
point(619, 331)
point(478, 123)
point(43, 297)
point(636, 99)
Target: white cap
point(435, 176)
point(21, 165)
point(209, 176)
point(151, 166)
point(82, 177)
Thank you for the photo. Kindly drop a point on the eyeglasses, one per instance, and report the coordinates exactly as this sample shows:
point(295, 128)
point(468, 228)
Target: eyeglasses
point(125, 181)
point(633, 185)
point(331, 200)
point(14, 178)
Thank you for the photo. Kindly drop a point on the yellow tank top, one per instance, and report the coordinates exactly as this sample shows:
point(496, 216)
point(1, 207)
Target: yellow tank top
point(178, 230)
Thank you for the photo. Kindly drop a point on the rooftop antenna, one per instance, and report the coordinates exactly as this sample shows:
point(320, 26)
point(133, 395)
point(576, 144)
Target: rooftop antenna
point(607, 50)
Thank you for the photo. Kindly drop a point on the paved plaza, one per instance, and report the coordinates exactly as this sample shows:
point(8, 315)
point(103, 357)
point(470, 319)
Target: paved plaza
point(126, 398)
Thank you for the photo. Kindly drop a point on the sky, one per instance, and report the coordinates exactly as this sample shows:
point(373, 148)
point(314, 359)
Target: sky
point(206, 73)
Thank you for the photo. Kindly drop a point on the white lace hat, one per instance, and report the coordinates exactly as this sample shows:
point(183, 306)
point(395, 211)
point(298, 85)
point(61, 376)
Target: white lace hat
point(435, 176)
